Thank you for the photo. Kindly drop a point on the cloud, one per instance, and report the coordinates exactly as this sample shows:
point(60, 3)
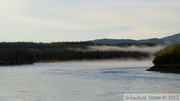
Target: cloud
point(85, 19)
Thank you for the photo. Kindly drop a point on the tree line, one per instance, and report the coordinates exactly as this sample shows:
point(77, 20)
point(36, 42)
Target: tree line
point(168, 55)
point(30, 52)
point(16, 56)
point(60, 45)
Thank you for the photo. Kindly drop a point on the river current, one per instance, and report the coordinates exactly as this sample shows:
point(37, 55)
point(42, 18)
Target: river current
point(83, 81)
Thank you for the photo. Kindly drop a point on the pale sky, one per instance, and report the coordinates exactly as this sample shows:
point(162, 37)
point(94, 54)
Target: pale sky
point(80, 20)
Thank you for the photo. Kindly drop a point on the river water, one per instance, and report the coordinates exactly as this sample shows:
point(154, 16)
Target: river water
point(83, 81)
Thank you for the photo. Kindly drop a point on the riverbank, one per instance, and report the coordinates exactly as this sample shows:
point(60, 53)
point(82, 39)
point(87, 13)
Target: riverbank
point(15, 64)
point(166, 68)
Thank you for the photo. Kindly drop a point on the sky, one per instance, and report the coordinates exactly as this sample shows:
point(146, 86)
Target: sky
point(80, 20)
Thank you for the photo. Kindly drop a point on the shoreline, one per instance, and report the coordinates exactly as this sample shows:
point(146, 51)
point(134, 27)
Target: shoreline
point(166, 68)
point(6, 64)
point(54, 61)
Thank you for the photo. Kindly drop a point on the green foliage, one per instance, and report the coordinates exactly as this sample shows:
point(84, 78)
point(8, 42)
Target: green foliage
point(168, 55)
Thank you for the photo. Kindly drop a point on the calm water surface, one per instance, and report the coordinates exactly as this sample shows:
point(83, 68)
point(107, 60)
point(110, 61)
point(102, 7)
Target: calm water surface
point(83, 81)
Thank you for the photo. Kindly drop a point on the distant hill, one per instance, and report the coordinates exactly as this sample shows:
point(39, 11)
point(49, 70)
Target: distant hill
point(113, 41)
point(174, 39)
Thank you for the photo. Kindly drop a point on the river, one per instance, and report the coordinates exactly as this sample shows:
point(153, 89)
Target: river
point(83, 81)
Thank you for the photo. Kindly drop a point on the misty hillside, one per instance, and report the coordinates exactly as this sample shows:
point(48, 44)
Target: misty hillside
point(174, 39)
point(113, 41)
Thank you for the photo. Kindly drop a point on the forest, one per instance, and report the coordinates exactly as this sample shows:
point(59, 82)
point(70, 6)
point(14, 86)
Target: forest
point(15, 53)
point(168, 55)
point(167, 59)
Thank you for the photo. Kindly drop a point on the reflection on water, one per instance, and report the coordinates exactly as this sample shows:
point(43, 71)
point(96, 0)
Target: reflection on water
point(83, 81)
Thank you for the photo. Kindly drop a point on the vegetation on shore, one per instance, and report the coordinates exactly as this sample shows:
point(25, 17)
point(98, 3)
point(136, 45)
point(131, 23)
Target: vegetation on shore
point(27, 52)
point(167, 59)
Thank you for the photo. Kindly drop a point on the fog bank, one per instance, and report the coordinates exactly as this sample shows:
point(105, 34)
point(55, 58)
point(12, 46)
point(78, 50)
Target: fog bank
point(148, 49)
point(113, 63)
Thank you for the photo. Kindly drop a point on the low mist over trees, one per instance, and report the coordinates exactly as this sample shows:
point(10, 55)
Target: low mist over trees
point(28, 52)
